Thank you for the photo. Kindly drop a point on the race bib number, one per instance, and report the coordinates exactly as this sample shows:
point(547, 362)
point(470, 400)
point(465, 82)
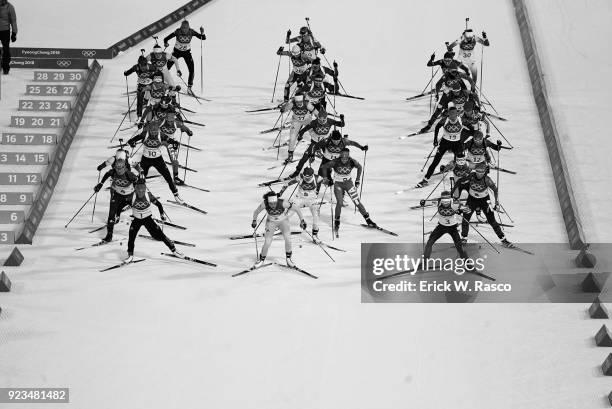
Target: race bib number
point(150, 152)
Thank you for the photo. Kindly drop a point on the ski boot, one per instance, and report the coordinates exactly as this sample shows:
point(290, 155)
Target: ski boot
point(178, 198)
point(288, 260)
point(128, 259)
point(315, 236)
point(177, 253)
point(422, 183)
point(108, 238)
point(426, 128)
point(506, 243)
point(368, 220)
point(259, 262)
point(178, 181)
point(289, 158)
point(463, 241)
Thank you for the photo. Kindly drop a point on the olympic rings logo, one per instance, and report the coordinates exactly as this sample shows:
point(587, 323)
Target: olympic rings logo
point(88, 53)
point(64, 63)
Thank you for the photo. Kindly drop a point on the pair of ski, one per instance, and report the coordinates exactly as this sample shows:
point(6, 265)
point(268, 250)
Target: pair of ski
point(182, 184)
point(190, 93)
point(182, 167)
point(299, 270)
point(410, 135)
point(125, 263)
point(188, 206)
point(276, 128)
point(166, 223)
point(250, 236)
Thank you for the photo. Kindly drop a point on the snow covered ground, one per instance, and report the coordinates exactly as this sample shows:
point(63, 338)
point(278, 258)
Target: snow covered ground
point(577, 67)
point(172, 334)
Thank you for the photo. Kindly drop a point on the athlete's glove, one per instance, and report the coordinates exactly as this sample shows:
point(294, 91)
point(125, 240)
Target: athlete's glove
point(288, 36)
point(201, 30)
point(484, 35)
point(435, 142)
point(190, 133)
point(97, 187)
point(174, 143)
point(166, 44)
point(101, 166)
point(14, 37)
point(357, 184)
point(365, 148)
point(322, 50)
point(163, 217)
point(179, 73)
point(139, 125)
point(432, 57)
point(303, 224)
point(125, 73)
point(254, 223)
point(496, 207)
point(131, 143)
point(341, 117)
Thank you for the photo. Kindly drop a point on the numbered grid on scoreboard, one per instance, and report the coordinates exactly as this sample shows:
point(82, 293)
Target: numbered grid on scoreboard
point(20, 179)
point(24, 158)
point(38, 105)
point(16, 198)
point(7, 237)
point(12, 216)
point(60, 76)
point(28, 138)
point(37, 121)
point(52, 90)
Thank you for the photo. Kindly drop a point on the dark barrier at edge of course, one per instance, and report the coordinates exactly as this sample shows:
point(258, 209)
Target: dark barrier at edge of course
point(37, 210)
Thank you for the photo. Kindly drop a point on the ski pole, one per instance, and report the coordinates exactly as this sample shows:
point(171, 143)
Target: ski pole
point(481, 62)
point(255, 237)
point(79, 211)
point(480, 234)
point(121, 123)
point(201, 63)
point(365, 155)
point(322, 197)
point(430, 80)
point(187, 157)
point(500, 132)
point(318, 244)
point(436, 186)
point(277, 70)
point(422, 203)
point(431, 89)
point(95, 199)
point(466, 22)
point(127, 92)
point(428, 156)
point(188, 89)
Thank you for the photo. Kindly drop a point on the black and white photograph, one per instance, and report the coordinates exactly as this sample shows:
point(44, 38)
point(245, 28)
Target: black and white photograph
point(249, 204)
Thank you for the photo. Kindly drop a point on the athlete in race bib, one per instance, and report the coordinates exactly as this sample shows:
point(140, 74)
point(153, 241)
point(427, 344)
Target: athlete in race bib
point(451, 141)
point(277, 219)
point(145, 71)
point(159, 60)
point(121, 192)
point(448, 210)
point(342, 182)
point(306, 195)
point(182, 47)
point(301, 115)
point(467, 49)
